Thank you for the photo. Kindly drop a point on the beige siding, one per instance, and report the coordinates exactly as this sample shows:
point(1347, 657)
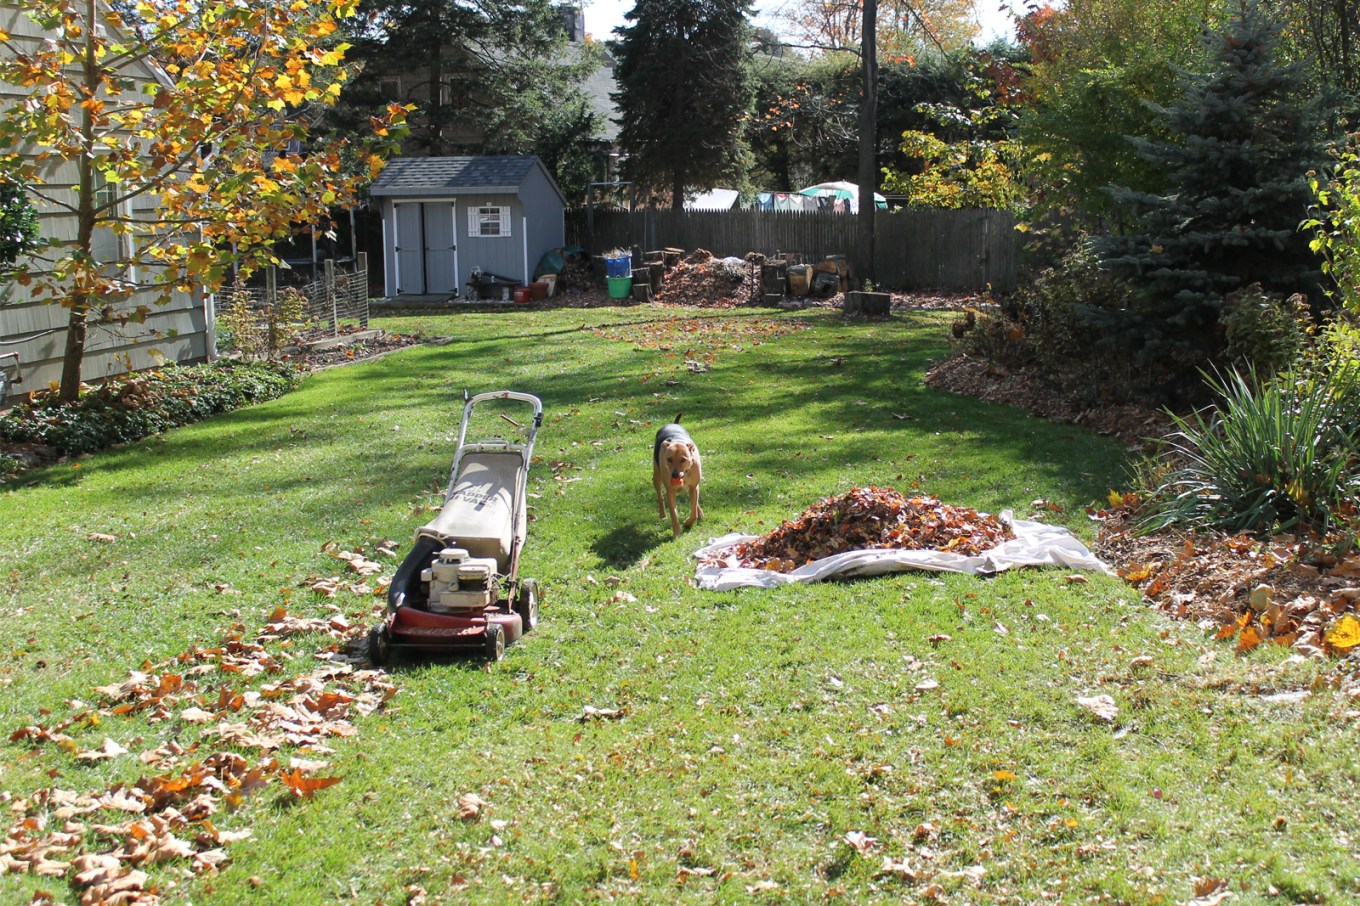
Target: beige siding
point(35, 329)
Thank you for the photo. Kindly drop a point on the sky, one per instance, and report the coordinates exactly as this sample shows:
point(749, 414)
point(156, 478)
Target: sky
point(602, 16)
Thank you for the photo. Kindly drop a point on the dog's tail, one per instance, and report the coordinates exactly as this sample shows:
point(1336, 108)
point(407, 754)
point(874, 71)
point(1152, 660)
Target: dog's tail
point(677, 416)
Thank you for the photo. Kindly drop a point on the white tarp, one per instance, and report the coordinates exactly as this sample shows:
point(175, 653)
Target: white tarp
point(1034, 544)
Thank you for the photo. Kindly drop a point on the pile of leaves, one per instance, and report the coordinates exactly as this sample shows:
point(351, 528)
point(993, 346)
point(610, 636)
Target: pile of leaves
point(706, 282)
point(235, 725)
point(868, 519)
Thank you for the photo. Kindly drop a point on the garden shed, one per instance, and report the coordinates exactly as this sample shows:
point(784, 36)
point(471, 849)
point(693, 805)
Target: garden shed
point(445, 218)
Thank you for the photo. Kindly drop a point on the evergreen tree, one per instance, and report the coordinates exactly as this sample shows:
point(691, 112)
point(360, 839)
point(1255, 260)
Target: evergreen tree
point(491, 77)
point(1237, 178)
point(684, 92)
point(18, 222)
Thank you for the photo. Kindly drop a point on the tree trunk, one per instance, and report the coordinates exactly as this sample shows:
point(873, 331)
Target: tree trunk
point(863, 257)
point(79, 302)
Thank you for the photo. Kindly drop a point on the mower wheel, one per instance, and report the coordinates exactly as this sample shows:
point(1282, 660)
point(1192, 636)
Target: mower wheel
point(495, 641)
point(526, 605)
point(379, 646)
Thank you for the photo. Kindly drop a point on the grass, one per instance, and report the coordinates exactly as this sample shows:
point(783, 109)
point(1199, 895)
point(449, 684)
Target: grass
point(763, 736)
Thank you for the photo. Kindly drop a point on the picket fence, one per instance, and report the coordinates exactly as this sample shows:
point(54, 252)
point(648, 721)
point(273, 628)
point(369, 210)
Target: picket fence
point(913, 248)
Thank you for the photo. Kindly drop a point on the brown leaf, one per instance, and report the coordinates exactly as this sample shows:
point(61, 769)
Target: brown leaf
point(471, 806)
point(1102, 706)
point(860, 842)
point(109, 749)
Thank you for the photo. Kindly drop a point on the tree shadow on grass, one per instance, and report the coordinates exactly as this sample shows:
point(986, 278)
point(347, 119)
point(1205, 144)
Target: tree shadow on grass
point(626, 544)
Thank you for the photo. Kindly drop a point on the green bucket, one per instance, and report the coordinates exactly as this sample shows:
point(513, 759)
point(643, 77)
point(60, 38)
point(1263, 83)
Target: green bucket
point(620, 287)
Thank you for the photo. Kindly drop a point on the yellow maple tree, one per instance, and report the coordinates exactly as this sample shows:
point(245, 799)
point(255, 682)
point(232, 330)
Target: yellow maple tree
point(184, 123)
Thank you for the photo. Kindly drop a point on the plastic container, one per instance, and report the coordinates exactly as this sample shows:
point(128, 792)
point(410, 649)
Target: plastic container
point(538, 290)
point(619, 267)
point(521, 294)
point(620, 287)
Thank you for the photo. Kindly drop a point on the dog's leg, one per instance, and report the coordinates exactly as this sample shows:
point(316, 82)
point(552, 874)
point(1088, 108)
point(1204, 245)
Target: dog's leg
point(696, 512)
point(670, 506)
point(660, 486)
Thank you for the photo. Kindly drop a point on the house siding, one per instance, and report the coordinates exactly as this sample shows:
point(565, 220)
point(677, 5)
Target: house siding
point(36, 329)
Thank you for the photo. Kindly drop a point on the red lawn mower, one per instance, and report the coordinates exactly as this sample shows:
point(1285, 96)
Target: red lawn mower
point(458, 590)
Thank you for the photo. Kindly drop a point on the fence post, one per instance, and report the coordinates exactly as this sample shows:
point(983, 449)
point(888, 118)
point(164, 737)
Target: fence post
point(361, 281)
point(271, 310)
point(328, 281)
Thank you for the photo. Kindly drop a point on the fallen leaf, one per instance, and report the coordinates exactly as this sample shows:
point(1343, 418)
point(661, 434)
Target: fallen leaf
point(109, 749)
point(861, 842)
point(1344, 634)
point(101, 538)
point(302, 785)
point(471, 806)
point(1102, 706)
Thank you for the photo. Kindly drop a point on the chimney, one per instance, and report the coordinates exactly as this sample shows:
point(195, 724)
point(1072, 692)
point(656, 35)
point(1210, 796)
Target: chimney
point(573, 21)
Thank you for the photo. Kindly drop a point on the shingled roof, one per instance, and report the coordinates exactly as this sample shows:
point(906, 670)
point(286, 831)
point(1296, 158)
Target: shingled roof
point(436, 176)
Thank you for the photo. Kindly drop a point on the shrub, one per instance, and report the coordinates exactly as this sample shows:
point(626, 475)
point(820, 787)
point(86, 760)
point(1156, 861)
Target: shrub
point(128, 409)
point(1263, 331)
point(1043, 324)
point(256, 330)
point(1273, 455)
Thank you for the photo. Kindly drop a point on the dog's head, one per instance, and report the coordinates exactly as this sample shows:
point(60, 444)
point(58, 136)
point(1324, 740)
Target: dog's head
point(677, 458)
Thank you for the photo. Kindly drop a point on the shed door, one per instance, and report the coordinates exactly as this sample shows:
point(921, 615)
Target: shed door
point(441, 248)
point(410, 248)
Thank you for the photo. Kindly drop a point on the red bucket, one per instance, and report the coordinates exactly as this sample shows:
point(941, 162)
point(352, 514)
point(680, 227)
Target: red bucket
point(521, 294)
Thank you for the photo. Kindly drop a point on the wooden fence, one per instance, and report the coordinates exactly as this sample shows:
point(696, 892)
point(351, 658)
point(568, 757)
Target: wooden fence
point(913, 248)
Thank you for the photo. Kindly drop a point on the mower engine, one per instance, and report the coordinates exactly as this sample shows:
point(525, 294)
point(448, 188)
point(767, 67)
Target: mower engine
point(460, 584)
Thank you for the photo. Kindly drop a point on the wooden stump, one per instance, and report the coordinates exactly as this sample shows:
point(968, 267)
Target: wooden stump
point(869, 305)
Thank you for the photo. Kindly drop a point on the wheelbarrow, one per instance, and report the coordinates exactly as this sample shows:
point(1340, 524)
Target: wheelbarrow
point(458, 591)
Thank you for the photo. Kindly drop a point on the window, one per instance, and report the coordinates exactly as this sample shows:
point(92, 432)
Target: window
point(112, 246)
point(490, 221)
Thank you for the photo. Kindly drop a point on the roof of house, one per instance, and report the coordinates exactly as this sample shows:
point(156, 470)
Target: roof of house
point(448, 176)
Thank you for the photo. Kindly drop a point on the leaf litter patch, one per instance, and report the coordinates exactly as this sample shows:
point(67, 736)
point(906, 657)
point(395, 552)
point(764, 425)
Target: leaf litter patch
point(253, 731)
point(1285, 590)
point(699, 339)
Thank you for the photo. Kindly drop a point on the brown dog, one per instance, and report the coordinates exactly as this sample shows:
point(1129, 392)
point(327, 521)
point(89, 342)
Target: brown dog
point(675, 465)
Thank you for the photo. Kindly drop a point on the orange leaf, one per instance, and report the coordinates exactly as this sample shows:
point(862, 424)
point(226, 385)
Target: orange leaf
point(1249, 639)
point(305, 786)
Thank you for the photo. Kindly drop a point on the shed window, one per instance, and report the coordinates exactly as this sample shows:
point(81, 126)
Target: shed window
point(494, 221)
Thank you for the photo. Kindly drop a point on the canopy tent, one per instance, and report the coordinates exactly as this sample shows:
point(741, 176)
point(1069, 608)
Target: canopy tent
point(713, 200)
point(841, 190)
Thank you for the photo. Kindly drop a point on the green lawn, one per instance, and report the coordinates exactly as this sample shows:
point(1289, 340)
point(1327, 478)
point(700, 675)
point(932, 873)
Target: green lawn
point(794, 745)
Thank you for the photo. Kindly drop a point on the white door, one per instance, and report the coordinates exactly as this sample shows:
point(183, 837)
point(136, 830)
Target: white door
point(441, 248)
point(408, 239)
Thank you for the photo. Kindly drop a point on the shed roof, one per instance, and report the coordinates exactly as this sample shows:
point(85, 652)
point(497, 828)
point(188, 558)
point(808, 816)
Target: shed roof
point(439, 176)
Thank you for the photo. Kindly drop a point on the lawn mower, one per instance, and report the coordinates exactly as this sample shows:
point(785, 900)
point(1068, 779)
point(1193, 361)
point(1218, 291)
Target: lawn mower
point(458, 590)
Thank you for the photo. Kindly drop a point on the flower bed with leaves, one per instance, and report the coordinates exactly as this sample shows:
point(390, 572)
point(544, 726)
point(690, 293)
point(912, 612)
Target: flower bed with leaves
point(128, 409)
point(872, 518)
